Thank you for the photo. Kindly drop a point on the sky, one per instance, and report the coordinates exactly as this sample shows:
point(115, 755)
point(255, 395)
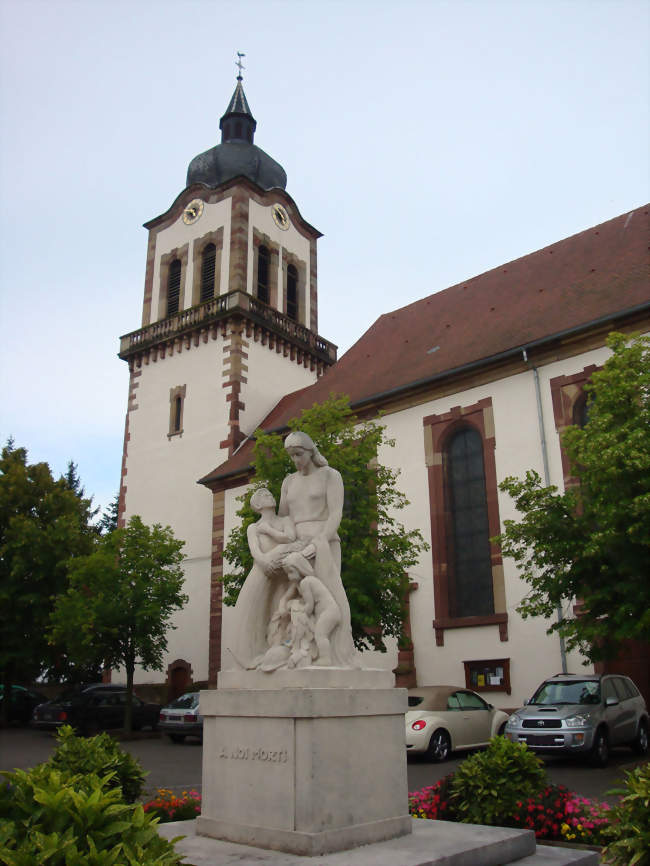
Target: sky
point(428, 140)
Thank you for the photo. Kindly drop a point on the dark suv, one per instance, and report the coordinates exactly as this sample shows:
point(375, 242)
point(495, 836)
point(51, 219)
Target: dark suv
point(583, 714)
point(95, 708)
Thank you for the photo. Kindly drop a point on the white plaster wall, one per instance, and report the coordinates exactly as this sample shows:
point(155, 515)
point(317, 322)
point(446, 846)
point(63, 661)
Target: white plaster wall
point(270, 376)
point(568, 367)
point(189, 639)
point(178, 234)
point(162, 473)
point(291, 240)
point(533, 654)
point(228, 620)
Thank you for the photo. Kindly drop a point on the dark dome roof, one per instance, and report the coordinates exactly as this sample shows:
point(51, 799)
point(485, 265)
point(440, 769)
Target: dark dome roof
point(236, 155)
point(232, 158)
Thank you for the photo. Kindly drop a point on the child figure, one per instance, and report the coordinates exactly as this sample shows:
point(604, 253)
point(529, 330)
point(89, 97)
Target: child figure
point(319, 604)
point(280, 530)
point(272, 536)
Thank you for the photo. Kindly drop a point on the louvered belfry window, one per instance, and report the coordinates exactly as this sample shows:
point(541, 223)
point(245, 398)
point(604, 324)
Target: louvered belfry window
point(292, 292)
point(208, 262)
point(470, 581)
point(173, 287)
point(263, 274)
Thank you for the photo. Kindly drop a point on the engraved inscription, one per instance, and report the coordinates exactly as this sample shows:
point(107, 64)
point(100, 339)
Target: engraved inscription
point(245, 753)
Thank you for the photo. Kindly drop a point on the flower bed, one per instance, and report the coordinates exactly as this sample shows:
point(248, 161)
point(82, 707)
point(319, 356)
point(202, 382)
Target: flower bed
point(167, 806)
point(556, 814)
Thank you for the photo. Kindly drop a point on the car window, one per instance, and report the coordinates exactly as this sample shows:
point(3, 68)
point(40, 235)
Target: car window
point(619, 687)
point(554, 692)
point(453, 703)
point(186, 702)
point(414, 701)
point(470, 701)
point(608, 689)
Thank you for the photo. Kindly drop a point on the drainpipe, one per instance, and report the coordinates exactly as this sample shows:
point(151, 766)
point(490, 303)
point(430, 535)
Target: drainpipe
point(547, 474)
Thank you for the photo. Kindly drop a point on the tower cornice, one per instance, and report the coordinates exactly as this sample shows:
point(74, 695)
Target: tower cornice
point(204, 321)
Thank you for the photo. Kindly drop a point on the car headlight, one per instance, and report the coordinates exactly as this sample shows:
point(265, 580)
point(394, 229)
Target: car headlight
point(513, 722)
point(577, 721)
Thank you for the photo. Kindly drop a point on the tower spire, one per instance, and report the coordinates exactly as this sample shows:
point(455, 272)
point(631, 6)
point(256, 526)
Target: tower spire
point(238, 123)
point(239, 64)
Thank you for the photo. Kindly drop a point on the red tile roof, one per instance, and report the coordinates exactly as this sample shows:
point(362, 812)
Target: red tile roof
point(597, 274)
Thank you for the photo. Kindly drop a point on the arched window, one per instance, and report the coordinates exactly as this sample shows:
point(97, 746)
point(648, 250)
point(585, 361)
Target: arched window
point(292, 292)
point(470, 580)
point(581, 411)
point(263, 262)
point(208, 261)
point(174, 287)
point(178, 409)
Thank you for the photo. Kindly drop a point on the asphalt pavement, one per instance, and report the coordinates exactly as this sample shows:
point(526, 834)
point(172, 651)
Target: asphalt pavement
point(178, 765)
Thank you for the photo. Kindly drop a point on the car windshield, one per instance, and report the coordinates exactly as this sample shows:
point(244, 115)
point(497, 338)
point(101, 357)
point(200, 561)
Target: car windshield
point(567, 692)
point(185, 702)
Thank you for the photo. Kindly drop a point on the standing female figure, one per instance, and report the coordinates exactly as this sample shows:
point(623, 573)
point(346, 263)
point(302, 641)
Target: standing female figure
point(313, 498)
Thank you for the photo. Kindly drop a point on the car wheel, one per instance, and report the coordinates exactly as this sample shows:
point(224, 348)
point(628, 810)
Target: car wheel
point(600, 749)
point(439, 746)
point(640, 744)
point(177, 738)
point(502, 730)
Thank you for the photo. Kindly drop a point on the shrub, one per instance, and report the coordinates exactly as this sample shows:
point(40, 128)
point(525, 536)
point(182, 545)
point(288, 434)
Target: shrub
point(433, 802)
point(167, 807)
point(628, 834)
point(100, 755)
point(54, 818)
point(489, 787)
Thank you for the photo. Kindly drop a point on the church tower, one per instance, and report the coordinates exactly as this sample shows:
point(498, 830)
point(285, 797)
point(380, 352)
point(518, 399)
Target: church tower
point(229, 325)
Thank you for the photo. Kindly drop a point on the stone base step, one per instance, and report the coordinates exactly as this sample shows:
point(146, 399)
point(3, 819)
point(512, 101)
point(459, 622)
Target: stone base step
point(432, 843)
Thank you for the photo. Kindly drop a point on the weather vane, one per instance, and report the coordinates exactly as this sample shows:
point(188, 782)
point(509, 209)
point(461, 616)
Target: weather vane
point(239, 64)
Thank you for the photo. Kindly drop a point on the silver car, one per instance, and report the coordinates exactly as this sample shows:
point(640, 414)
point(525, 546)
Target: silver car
point(582, 714)
point(182, 718)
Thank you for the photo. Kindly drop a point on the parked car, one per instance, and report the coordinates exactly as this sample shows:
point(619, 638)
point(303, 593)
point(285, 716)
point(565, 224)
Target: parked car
point(442, 719)
point(96, 708)
point(584, 715)
point(22, 703)
point(182, 718)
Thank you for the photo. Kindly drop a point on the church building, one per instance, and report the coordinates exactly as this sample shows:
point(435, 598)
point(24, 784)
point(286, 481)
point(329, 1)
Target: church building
point(476, 383)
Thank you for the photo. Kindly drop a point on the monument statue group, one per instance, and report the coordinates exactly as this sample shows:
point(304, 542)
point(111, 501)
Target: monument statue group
point(292, 611)
point(292, 732)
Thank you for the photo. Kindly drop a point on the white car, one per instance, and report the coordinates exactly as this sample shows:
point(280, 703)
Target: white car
point(441, 719)
point(182, 718)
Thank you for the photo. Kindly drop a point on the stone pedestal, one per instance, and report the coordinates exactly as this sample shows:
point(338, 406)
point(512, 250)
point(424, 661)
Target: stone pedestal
point(308, 770)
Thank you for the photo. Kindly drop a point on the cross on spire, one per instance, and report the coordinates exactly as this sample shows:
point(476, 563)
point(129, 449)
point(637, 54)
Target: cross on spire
point(239, 64)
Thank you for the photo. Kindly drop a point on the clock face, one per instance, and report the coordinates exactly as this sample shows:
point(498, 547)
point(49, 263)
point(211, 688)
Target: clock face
point(193, 211)
point(280, 217)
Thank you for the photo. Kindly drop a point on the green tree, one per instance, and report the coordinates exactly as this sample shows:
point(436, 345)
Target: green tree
point(592, 542)
point(73, 481)
point(108, 521)
point(120, 600)
point(43, 523)
point(376, 550)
